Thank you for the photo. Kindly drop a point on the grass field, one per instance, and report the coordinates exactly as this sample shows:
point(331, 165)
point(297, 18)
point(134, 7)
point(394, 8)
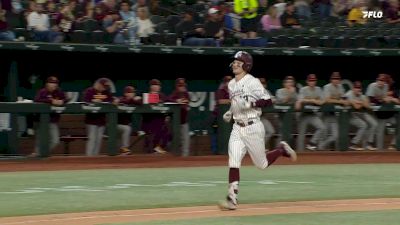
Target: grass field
point(388, 217)
point(32, 193)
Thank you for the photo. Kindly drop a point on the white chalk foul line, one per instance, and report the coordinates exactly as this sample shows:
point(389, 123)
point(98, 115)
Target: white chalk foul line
point(197, 211)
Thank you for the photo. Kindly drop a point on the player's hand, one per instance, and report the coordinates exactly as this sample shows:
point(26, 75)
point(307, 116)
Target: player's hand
point(227, 116)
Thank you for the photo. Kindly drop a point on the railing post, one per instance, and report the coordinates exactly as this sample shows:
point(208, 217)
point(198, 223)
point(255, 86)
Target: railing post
point(344, 124)
point(224, 130)
point(176, 128)
point(112, 123)
point(287, 126)
point(398, 131)
point(44, 147)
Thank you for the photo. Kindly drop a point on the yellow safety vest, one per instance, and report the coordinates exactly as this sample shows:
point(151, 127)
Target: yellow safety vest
point(240, 5)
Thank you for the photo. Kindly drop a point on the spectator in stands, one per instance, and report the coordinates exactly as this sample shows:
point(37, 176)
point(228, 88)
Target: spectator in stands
point(53, 12)
point(365, 123)
point(53, 95)
point(287, 94)
point(99, 14)
point(39, 23)
point(247, 9)
point(154, 124)
point(17, 6)
point(129, 18)
point(114, 26)
point(155, 7)
point(310, 95)
point(355, 16)
point(213, 28)
point(392, 13)
point(108, 7)
point(231, 19)
point(303, 9)
point(145, 26)
point(340, 7)
point(280, 6)
point(125, 119)
point(269, 129)
point(262, 7)
point(289, 19)
point(5, 33)
point(181, 95)
point(67, 18)
point(271, 21)
point(139, 4)
point(88, 12)
point(191, 35)
point(95, 122)
point(324, 8)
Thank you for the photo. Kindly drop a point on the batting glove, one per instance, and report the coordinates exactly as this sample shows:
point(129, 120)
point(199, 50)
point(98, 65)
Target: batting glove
point(227, 116)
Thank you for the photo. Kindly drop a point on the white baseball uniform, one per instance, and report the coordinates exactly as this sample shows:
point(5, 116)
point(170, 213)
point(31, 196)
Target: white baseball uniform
point(248, 131)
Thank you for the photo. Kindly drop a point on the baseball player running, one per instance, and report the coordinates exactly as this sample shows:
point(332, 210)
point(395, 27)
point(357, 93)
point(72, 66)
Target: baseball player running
point(247, 96)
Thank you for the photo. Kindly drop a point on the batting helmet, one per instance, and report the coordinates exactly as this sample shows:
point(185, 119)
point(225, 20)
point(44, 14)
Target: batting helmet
point(246, 58)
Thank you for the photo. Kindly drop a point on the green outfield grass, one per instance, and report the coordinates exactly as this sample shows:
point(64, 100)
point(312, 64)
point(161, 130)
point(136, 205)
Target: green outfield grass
point(388, 217)
point(30, 193)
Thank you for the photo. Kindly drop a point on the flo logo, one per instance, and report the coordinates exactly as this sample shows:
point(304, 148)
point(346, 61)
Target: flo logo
point(372, 14)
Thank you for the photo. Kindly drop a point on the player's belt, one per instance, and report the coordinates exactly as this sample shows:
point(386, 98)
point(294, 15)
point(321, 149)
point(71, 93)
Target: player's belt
point(244, 124)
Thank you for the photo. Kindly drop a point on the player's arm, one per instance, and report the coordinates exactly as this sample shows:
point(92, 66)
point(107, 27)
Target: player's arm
point(263, 99)
point(41, 96)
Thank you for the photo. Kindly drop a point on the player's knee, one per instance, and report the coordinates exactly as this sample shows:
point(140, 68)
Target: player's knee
point(262, 166)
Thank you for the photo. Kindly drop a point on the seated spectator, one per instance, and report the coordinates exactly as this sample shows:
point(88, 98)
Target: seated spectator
point(129, 18)
point(114, 26)
point(289, 19)
point(262, 8)
point(5, 33)
point(108, 6)
point(231, 19)
point(355, 15)
point(303, 9)
point(52, 11)
point(138, 4)
point(324, 8)
point(99, 14)
point(145, 26)
point(271, 20)
point(17, 6)
point(280, 7)
point(392, 13)
point(248, 11)
point(191, 35)
point(66, 19)
point(88, 13)
point(155, 7)
point(39, 23)
point(213, 28)
point(340, 7)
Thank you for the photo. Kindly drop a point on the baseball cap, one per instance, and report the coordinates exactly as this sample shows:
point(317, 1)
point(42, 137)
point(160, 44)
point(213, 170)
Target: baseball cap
point(52, 79)
point(262, 80)
point(288, 78)
point(155, 82)
point(105, 82)
point(381, 77)
point(180, 82)
point(311, 77)
point(129, 89)
point(357, 84)
point(335, 76)
point(227, 79)
point(213, 10)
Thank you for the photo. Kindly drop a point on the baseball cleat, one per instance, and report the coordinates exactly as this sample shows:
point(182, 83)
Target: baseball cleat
point(227, 204)
point(160, 150)
point(355, 148)
point(370, 148)
point(289, 151)
point(311, 147)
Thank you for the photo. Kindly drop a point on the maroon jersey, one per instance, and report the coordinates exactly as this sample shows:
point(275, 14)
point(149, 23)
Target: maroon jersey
point(98, 119)
point(126, 118)
point(184, 107)
point(46, 96)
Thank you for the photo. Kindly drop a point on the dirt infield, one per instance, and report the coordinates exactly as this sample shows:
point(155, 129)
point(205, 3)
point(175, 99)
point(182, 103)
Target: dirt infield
point(146, 215)
point(158, 161)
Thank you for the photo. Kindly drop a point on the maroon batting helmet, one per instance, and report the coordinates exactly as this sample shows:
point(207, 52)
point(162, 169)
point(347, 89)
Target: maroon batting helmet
point(246, 58)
